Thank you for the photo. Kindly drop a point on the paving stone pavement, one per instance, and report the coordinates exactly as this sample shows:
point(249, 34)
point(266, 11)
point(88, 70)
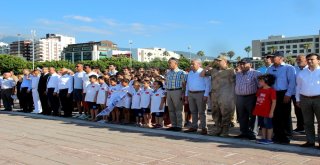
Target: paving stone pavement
point(37, 139)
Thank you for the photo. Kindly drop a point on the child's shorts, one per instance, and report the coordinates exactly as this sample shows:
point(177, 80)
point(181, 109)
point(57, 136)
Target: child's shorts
point(93, 105)
point(265, 122)
point(138, 112)
point(145, 110)
point(158, 114)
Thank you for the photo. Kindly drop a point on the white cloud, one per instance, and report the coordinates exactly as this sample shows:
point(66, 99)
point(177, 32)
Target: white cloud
point(79, 18)
point(215, 22)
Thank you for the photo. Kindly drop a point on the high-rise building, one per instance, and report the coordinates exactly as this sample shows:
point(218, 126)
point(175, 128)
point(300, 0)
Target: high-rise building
point(4, 48)
point(291, 46)
point(149, 54)
point(22, 49)
point(88, 51)
point(50, 48)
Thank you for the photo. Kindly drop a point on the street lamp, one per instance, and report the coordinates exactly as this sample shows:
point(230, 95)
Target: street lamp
point(33, 33)
point(130, 44)
point(189, 47)
point(18, 44)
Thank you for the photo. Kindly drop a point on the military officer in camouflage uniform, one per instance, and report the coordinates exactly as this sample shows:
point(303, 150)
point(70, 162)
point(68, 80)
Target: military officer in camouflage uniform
point(222, 95)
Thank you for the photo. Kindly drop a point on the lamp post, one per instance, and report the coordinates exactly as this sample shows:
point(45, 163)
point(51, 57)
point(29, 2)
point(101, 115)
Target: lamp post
point(130, 44)
point(189, 47)
point(18, 44)
point(33, 33)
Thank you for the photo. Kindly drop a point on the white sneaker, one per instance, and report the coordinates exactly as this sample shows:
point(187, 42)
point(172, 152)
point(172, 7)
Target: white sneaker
point(83, 116)
point(77, 115)
point(101, 121)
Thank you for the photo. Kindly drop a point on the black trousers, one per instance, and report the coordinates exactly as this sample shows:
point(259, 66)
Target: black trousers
point(281, 118)
point(53, 101)
point(6, 99)
point(66, 102)
point(26, 100)
point(298, 112)
point(244, 106)
point(44, 103)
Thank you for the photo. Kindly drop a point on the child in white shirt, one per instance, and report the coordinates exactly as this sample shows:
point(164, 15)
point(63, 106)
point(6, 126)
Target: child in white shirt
point(157, 103)
point(135, 93)
point(102, 96)
point(91, 96)
point(146, 92)
point(125, 103)
point(113, 87)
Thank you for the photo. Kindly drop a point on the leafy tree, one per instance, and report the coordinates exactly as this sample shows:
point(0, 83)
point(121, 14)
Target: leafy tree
point(238, 58)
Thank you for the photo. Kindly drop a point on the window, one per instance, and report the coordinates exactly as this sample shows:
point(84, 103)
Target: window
point(294, 46)
point(301, 51)
point(317, 50)
point(288, 47)
point(87, 56)
point(294, 51)
point(281, 47)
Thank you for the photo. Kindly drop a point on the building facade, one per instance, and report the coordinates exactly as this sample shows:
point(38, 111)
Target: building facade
point(149, 54)
point(88, 51)
point(50, 48)
point(291, 46)
point(4, 48)
point(22, 49)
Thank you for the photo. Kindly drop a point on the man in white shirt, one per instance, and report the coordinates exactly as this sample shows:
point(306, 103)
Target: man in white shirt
point(65, 87)
point(35, 94)
point(7, 89)
point(197, 92)
point(52, 90)
point(301, 64)
point(86, 82)
point(78, 87)
point(26, 94)
point(308, 97)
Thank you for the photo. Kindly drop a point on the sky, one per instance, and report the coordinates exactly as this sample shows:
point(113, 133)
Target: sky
point(209, 25)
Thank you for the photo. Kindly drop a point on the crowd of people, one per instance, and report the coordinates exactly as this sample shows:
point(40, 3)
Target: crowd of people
point(178, 100)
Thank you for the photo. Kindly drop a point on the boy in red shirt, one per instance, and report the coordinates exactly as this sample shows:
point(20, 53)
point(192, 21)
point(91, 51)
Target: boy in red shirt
point(265, 105)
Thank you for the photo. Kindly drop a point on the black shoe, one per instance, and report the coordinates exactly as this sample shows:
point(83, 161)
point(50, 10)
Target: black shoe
point(299, 130)
point(251, 137)
point(171, 129)
point(241, 136)
point(307, 144)
point(284, 141)
point(177, 129)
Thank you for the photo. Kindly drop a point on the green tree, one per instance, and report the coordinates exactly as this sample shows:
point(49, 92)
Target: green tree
point(223, 54)
point(273, 49)
point(12, 63)
point(238, 58)
point(230, 54)
point(200, 54)
point(306, 47)
point(248, 50)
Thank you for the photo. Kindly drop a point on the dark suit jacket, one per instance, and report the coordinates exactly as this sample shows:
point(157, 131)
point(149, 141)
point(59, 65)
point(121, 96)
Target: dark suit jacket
point(42, 86)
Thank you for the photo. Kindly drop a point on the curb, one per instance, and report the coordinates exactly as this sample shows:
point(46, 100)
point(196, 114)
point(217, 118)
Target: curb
point(245, 143)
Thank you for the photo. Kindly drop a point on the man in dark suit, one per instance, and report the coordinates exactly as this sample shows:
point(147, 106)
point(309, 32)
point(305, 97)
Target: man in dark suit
point(42, 87)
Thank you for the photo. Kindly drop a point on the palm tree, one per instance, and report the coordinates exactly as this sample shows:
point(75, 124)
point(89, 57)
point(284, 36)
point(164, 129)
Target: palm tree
point(230, 54)
point(248, 50)
point(307, 46)
point(238, 58)
point(273, 49)
point(200, 54)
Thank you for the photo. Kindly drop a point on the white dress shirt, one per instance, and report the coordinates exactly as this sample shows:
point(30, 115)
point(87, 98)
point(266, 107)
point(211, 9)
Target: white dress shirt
point(66, 82)
point(197, 83)
point(53, 81)
point(35, 82)
point(308, 83)
point(7, 83)
point(86, 80)
point(78, 82)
